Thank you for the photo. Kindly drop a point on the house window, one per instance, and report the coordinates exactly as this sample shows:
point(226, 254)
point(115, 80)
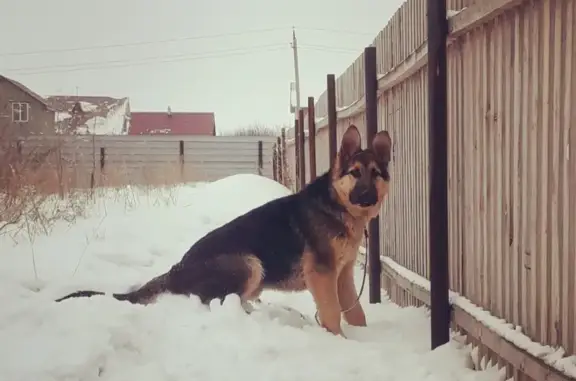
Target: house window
point(20, 112)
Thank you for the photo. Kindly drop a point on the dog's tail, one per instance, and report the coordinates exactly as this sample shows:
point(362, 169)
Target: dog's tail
point(142, 295)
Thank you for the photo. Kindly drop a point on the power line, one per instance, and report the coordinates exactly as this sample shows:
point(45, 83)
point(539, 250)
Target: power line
point(170, 40)
point(222, 53)
point(142, 63)
point(138, 43)
point(145, 59)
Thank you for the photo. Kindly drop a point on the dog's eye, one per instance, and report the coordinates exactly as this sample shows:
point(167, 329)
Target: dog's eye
point(375, 173)
point(355, 172)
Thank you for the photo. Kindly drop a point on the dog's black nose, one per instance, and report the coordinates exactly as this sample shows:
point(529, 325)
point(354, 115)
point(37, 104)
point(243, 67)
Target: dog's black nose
point(363, 196)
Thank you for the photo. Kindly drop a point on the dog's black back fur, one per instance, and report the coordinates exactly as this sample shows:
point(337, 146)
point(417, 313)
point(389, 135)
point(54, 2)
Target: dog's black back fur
point(275, 232)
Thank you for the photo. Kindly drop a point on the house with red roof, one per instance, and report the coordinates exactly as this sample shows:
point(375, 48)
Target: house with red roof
point(172, 123)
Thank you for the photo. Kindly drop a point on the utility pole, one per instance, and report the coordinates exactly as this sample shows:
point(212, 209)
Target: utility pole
point(296, 72)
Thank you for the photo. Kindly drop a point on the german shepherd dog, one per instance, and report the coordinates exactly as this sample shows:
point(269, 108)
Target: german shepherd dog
point(304, 241)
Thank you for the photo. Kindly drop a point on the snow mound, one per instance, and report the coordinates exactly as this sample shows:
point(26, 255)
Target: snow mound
point(240, 193)
point(129, 237)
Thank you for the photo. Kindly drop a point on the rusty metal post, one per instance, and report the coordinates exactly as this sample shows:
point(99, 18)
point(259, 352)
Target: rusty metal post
point(312, 138)
point(102, 158)
point(102, 165)
point(438, 167)
point(332, 118)
point(371, 97)
point(275, 163)
point(260, 158)
point(285, 174)
point(302, 153)
point(296, 154)
point(181, 156)
point(279, 160)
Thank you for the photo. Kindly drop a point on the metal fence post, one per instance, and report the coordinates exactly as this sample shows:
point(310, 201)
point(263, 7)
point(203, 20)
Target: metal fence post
point(296, 154)
point(275, 163)
point(302, 152)
point(102, 158)
point(285, 173)
point(279, 160)
point(371, 97)
point(438, 167)
point(332, 118)
point(312, 138)
point(102, 163)
point(260, 158)
point(181, 156)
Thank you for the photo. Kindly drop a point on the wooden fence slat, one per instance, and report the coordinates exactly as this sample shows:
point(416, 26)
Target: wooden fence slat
point(568, 291)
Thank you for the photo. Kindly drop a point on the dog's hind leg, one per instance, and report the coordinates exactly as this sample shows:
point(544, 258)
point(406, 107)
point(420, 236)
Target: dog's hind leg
point(253, 285)
point(219, 276)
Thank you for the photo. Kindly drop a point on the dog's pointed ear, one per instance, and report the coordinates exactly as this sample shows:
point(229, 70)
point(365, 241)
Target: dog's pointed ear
point(382, 146)
point(351, 143)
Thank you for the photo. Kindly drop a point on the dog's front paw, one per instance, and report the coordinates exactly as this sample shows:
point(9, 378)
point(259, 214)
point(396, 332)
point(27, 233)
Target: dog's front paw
point(335, 331)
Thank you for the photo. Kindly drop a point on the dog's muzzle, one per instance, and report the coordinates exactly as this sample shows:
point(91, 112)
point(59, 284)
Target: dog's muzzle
point(364, 196)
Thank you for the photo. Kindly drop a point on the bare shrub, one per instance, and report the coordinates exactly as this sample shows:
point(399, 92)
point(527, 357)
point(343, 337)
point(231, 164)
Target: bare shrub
point(259, 129)
point(256, 129)
point(287, 179)
point(29, 186)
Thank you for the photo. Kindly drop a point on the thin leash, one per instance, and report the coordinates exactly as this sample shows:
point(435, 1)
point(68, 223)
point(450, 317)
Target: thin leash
point(363, 279)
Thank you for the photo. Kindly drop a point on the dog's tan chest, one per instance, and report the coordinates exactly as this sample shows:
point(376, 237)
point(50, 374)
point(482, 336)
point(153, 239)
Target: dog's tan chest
point(346, 249)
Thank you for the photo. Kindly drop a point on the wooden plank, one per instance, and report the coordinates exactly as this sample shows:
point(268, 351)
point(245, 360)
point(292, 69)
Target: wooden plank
point(524, 233)
point(555, 158)
point(471, 61)
point(569, 259)
point(514, 279)
point(532, 200)
point(483, 114)
point(543, 128)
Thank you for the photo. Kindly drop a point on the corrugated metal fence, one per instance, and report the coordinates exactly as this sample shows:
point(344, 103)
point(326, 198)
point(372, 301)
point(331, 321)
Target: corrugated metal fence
point(512, 175)
point(84, 161)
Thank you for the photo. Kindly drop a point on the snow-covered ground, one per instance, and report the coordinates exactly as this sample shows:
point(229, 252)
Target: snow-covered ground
point(130, 236)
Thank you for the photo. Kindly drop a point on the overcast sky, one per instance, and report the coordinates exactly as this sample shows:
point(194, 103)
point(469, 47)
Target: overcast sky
point(167, 54)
